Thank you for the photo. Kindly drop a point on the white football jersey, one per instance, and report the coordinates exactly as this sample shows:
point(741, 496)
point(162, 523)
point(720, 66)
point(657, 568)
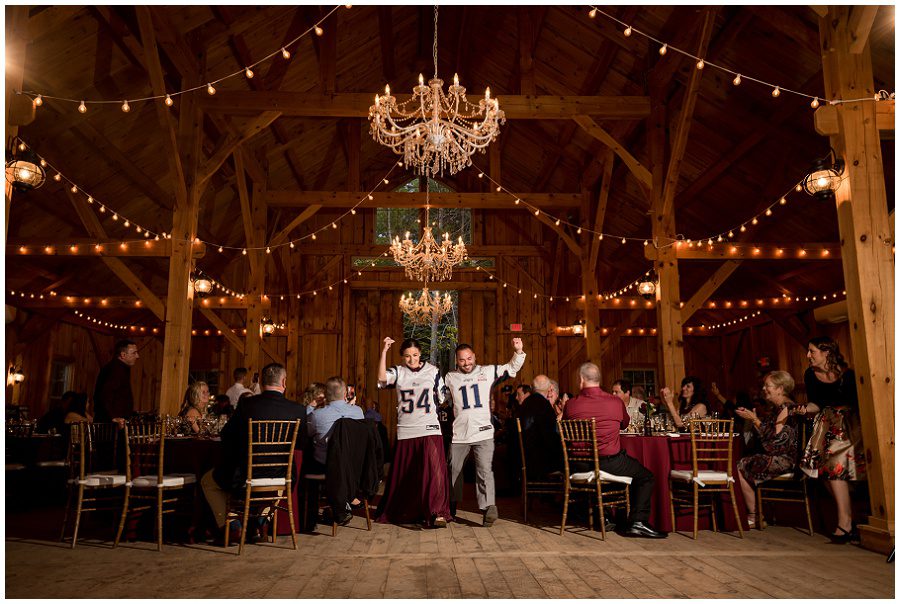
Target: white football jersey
point(471, 394)
point(419, 394)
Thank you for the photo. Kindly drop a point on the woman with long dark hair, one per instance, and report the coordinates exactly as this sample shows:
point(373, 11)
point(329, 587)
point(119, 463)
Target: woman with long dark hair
point(692, 401)
point(418, 489)
point(834, 452)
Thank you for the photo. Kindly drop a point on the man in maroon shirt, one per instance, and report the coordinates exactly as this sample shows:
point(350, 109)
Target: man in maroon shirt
point(611, 416)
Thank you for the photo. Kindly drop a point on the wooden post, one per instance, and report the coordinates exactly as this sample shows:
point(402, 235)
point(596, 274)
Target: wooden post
point(17, 40)
point(590, 285)
point(866, 246)
point(670, 343)
point(253, 355)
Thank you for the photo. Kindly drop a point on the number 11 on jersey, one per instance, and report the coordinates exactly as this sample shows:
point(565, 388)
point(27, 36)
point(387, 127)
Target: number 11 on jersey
point(465, 396)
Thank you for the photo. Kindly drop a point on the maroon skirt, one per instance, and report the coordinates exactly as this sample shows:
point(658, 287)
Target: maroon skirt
point(418, 489)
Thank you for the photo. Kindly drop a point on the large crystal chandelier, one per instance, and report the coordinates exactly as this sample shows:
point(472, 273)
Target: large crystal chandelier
point(428, 260)
point(434, 131)
point(428, 308)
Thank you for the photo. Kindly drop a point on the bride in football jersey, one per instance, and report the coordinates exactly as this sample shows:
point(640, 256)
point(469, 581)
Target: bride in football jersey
point(417, 489)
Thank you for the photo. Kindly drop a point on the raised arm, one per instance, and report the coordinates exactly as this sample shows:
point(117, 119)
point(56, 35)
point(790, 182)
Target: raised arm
point(382, 363)
point(669, 400)
point(517, 360)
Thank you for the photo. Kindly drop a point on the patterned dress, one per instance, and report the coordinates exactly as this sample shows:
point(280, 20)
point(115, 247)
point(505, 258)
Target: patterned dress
point(834, 451)
point(779, 452)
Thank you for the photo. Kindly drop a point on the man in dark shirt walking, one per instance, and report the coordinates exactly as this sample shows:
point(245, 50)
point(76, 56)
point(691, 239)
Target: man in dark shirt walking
point(113, 400)
point(611, 416)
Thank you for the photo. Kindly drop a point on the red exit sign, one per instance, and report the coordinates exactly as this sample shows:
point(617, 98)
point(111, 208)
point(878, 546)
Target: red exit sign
point(515, 327)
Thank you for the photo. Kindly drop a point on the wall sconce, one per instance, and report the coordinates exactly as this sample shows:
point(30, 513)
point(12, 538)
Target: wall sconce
point(825, 177)
point(578, 328)
point(647, 286)
point(14, 376)
point(267, 326)
point(24, 171)
point(201, 283)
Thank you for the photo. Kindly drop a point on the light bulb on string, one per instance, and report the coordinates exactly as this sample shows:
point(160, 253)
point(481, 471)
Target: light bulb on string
point(210, 90)
point(593, 13)
point(701, 64)
point(627, 32)
point(319, 31)
point(57, 177)
point(776, 92)
point(126, 107)
point(285, 53)
point(169, 102)
point(38, 101)
point(737, 80)
point(815, 103)
point(248, 72)
point(82, 108)
point(663, 49)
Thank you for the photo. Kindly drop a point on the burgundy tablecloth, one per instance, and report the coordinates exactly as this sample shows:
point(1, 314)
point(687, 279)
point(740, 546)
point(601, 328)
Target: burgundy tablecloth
point(199, 455)
point(660, 454)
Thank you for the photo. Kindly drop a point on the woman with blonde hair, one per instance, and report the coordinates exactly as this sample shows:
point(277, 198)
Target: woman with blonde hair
point(196, 400)
point(777, 439)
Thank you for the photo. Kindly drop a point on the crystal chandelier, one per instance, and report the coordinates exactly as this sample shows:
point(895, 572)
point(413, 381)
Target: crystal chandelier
point(434, 131)
point(428, 260)
point(428, 308)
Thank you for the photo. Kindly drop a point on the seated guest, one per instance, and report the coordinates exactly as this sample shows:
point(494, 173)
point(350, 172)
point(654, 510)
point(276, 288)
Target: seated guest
point(313, 396)
point(777, 438)
point(372, 412)
point(610, 415)
point(222, 405)
point(196, 400)
point(322, 418)
point(78, 409)
point(54, 421)
point(238, 388)
point(553, 397)
point(691, 403)
point(231, 474)
point(622, 389)
point(543, 448)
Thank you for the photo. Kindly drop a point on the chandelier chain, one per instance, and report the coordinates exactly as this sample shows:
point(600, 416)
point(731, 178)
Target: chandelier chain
point(435, 44)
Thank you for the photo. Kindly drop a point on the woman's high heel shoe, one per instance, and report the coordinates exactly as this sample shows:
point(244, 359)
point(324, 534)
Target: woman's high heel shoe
point(841, 538)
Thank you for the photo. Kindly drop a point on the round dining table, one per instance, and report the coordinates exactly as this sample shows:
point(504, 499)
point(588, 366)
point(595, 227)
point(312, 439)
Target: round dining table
point(662, 453)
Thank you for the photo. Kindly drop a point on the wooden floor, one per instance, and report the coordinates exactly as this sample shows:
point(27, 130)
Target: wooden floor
point(465, 560)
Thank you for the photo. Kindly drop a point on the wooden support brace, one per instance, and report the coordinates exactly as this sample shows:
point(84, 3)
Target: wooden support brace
point(708, 288)
point(222, 326)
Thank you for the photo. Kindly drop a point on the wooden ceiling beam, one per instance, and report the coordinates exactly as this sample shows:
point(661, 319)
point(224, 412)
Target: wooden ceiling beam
point(375, 250)
point(356, 104)
point(97, 248)
point(278, 69)
point(685, 118)
point(397, 199)
point(641, 173)
point(754, 251)
point(602, 202)
point(386, 38)
point(222, 326)
point(708, 288)
point(232, 141)
point(302, 217)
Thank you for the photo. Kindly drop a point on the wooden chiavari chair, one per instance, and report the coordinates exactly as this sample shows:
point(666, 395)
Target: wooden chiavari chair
point(270, 456)
point(790, 487)
point(145, 482)
point(711, 446)
point(579, 441)
point(535, 487)
point(92, 469)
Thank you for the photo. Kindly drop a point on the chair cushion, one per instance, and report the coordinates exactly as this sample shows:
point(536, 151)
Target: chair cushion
point(588, 477)
point(169, 480)
point(102, 480)
point(58, 463)
point(267, 482)
point(703, 476)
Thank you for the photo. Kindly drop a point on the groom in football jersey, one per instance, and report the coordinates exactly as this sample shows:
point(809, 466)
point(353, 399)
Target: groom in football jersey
point(470, 388)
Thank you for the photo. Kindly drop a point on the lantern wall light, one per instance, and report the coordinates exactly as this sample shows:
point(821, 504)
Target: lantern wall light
point(825, 177)
point(24, 171)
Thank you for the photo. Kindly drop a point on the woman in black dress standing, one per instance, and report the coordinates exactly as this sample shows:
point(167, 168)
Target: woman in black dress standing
point(834, 452)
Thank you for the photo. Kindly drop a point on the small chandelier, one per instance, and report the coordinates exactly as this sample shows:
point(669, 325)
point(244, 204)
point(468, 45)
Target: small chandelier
point(434, 131)
point(428, 308)
point(428, 260)
point(825, 177)
point(647, 285)
point(24, 171)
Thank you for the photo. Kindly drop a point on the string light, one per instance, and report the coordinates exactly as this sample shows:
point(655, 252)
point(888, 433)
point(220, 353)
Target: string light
point(627, 32)
point(169, 102)
point(210, 89)
point(776, 90)
point(37, 98)
point(126, 107)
